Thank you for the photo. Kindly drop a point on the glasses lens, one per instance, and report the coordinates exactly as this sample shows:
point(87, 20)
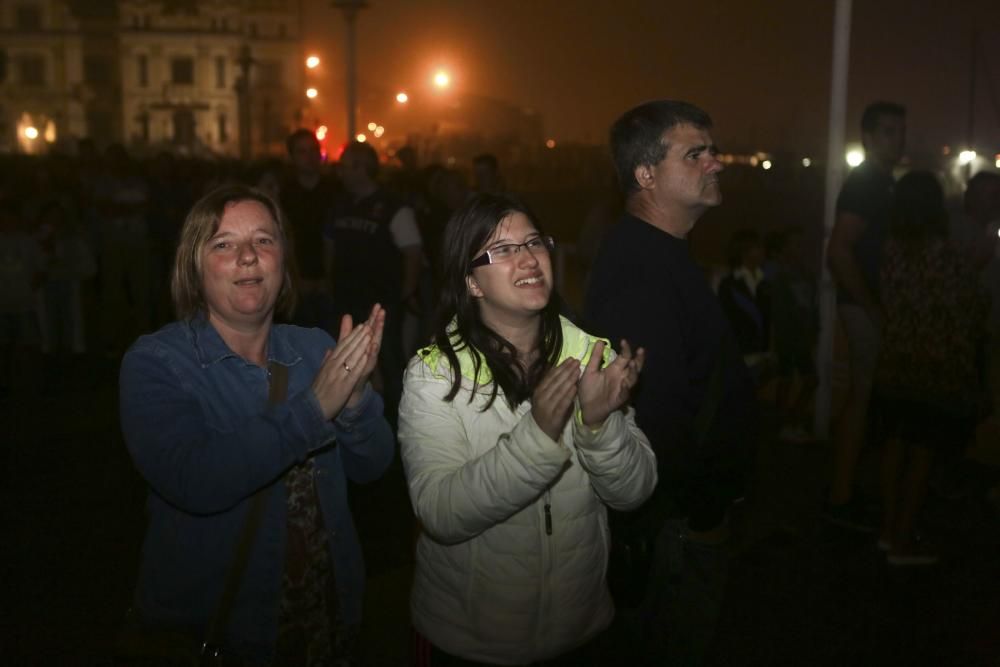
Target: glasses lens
point(540, 244)
point(502, 252)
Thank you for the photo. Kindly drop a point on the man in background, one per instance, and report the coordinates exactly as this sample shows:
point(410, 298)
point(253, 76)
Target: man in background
point(854, 255)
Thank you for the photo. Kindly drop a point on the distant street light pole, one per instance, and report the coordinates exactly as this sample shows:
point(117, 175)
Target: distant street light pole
point(834, 179)
point(349, 10)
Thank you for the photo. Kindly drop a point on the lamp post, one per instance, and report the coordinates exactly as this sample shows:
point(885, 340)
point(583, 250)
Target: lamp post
point(349, 10)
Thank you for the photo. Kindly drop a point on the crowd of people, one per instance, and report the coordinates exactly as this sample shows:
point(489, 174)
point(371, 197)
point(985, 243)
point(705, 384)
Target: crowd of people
point(282, 327)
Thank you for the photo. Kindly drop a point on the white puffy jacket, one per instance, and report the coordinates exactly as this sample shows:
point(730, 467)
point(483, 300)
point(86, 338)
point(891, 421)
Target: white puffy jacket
point(491, 584)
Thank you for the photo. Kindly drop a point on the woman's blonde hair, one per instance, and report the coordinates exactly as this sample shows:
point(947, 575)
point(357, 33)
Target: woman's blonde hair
point(201, 224)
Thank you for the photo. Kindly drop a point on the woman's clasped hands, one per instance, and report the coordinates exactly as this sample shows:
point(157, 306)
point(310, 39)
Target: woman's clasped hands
point(600, 391)
point(346, 367)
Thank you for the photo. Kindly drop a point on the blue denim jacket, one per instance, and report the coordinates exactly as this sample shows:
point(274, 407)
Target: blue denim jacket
point(198, 426)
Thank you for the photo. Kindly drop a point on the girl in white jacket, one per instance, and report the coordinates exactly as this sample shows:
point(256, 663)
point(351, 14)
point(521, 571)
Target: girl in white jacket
point(515, 436)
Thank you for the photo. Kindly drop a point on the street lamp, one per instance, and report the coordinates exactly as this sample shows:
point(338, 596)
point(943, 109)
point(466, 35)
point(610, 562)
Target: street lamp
point(442, 79)
point(311, 93)
point(402, 97)
point(312, 62)
point(31, 132)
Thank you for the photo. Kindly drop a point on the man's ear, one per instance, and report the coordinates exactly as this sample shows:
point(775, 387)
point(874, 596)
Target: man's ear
point(644, 176)
point(473, 286)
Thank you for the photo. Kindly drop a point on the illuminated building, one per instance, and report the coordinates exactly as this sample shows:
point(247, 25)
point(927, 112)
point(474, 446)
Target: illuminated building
point(153, 74)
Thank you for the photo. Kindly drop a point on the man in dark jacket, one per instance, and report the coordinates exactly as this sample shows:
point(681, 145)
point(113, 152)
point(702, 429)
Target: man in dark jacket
point(695, 399)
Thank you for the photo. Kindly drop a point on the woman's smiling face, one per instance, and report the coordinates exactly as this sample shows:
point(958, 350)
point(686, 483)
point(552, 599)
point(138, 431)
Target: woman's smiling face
point(519, 286)
point(242, 266)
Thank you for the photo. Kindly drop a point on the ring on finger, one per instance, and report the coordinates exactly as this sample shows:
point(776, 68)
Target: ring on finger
point(346, 367)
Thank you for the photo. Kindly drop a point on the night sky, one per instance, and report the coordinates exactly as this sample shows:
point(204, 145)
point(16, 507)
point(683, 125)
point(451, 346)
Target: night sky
point(762, 69)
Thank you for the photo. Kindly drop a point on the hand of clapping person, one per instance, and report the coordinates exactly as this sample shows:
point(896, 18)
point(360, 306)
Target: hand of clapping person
point(345, 370)
point(552, 402)
point(604, 390)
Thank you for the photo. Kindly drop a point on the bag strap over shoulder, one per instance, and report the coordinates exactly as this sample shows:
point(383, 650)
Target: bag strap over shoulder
point(277, 393)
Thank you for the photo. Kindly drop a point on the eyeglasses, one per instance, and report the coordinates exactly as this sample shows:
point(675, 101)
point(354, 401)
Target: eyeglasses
point(507, 251)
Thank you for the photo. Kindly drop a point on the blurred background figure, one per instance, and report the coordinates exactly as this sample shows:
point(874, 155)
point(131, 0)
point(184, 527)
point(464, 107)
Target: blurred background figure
point(375, 254)
point(22, 272)
point(745, 295)
point(854, 255)
point(68, 262)
point(486, 177)
point(307, 198)
point(794, 330)
point(122, 198)
point(928, 385)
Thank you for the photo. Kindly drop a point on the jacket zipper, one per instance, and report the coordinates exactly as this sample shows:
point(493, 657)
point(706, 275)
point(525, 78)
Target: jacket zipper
point(548, 514)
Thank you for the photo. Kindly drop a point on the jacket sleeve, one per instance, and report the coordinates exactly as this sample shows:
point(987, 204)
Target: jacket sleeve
point(199, 469)
point(457, 495)
point(618, 459)
point(365, 439)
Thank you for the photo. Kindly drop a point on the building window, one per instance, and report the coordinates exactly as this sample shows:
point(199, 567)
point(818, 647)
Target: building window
point(28, 17)
point(182, 71)
point(96, 70)
point(142, 63)
point(223, 129)
point(31, 70)
point(220, 71)
point(184, 127)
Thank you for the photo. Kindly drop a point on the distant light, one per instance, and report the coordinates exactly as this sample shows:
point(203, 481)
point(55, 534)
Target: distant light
point(321, 132)
point(372, 126)
point(946, 150)
point(441, 79)
point(361, 138)
point(766, 164)
point(31, 132)
point(311, 93)
point(997, 163)
point(50, 132)
point(402, 97)
point(855, 157)
point(754, 161)
point(967, 156)
point(806, 162)
point(551, 143)
point(312, 62)
point(379, 131)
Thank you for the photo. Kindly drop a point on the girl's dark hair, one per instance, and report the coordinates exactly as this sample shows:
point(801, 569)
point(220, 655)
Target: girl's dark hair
point(460, 325)
point(918, 212)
